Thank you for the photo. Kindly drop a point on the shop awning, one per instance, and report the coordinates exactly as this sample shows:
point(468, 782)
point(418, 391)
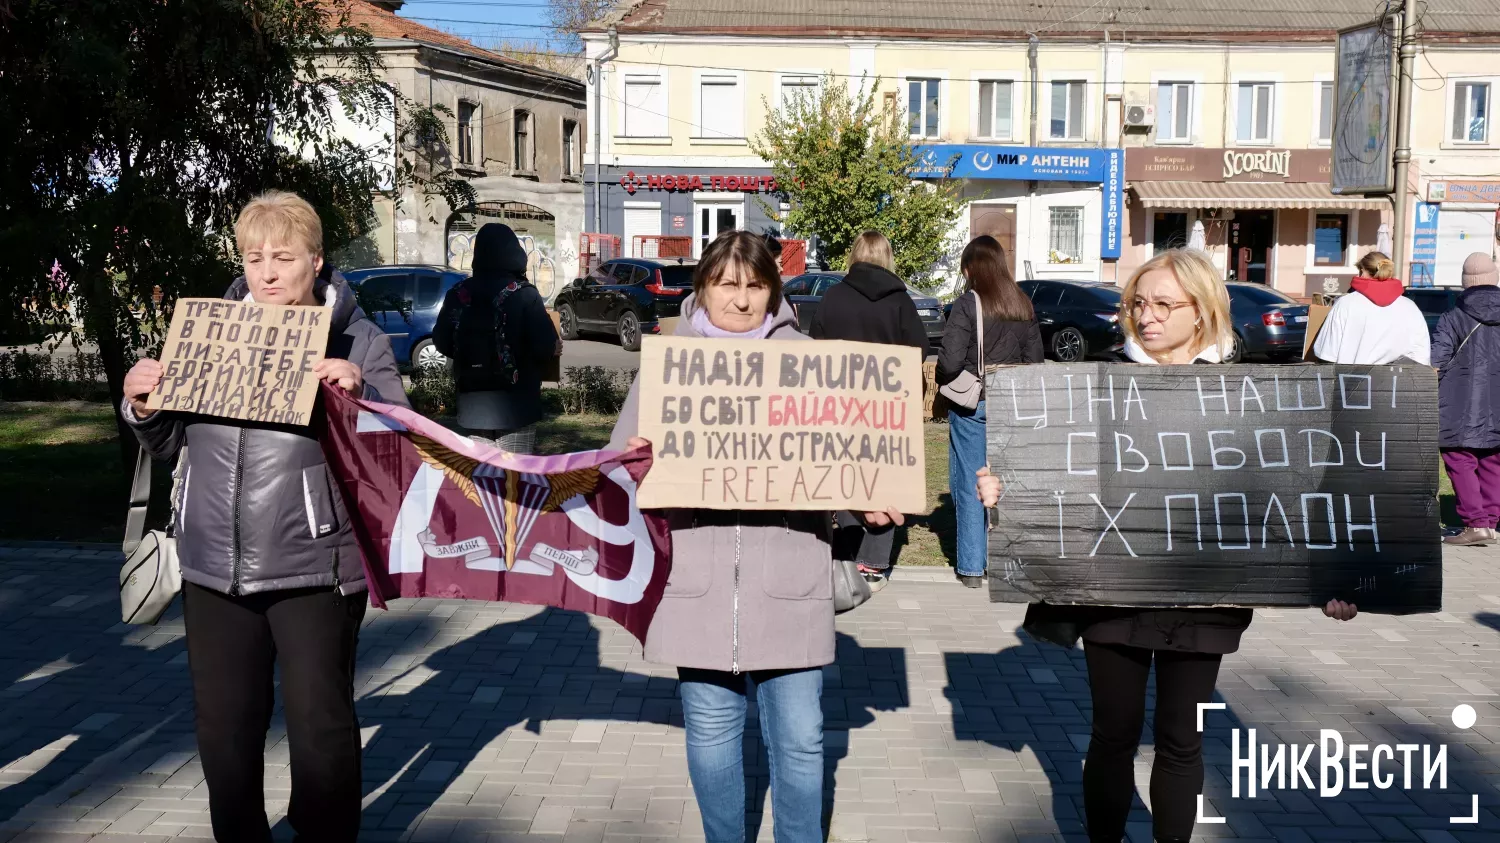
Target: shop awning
point(1248, 195)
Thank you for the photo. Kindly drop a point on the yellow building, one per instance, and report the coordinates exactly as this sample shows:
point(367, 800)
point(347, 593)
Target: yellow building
point(1170, 122)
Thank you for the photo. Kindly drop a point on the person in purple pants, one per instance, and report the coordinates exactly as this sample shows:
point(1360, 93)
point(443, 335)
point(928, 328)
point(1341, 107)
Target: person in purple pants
point(1466, 353)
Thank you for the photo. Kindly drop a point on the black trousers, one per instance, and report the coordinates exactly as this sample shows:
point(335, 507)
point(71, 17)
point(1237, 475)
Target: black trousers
point(233, 645)
point(1117, 683)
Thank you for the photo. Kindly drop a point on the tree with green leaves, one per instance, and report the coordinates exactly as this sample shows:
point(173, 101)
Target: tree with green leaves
point(846, 165)
point(135, 130)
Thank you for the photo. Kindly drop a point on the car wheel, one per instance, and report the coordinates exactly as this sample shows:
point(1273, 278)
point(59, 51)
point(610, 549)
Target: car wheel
point(1069, 346)
point(426, 358)
point(630, 331)
point(567, 322)
point(1236, 349)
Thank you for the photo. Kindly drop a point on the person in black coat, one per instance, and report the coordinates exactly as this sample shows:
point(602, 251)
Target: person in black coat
point(871, 304)
point(1466, 352)
point(506, 412)
point(1011, 335)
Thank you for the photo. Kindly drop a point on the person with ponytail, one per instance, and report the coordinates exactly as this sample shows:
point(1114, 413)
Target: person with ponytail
point(1374, 324)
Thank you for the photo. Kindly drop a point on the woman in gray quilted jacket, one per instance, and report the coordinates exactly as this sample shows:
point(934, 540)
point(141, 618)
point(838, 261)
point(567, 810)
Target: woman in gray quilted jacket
point(749, 604)
point(271, 572)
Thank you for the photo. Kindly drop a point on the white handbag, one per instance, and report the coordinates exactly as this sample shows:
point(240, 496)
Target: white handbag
point(966, 389)
point(151, 576)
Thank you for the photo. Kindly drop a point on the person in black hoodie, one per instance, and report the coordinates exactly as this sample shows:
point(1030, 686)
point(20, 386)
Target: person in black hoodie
point(494, 326)
point(1011, 335)
point(871, 304)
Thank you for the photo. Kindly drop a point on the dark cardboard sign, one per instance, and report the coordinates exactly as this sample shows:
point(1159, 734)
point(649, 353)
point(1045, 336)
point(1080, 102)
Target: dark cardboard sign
point(1247, 485)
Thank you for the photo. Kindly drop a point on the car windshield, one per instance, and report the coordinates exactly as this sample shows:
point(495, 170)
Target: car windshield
point(677, 276)
point(1262, 295)
point(1430, 302)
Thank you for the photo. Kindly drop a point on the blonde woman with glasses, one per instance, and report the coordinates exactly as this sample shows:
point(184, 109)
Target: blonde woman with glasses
point(1175, 310)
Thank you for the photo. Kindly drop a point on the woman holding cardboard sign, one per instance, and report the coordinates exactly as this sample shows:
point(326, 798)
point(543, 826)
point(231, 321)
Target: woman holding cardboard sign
point(1175, 310)
point(271, 571)
point(749, 604)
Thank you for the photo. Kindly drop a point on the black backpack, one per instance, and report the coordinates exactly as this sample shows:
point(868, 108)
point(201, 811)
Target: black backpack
point(483, 359)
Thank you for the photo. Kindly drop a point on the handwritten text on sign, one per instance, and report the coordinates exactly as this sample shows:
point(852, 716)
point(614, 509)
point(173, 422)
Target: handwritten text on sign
point(782, 424)
point(242, 360)
point(1216, 485)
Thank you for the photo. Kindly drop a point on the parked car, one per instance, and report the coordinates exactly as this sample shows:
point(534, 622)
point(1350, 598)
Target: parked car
point(806, 292)
point(1434, 302)
point(383, 290)
point(626, 297)
point(1267, 322)
point(1079, 319)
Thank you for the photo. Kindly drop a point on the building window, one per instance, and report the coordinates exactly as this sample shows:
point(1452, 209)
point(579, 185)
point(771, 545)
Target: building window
point(922, 104)
point(721, 108)
point(525, 153)
point(795, 89)
point(1325, 112)
point(1255, 112)
point(468, 120)
point(645, 107)
point(1331, 240)
point(1174, 112)
point(570, 149)
point(1065, 236)
point(1471, 112)
point(1067, 110)
point(995, 110)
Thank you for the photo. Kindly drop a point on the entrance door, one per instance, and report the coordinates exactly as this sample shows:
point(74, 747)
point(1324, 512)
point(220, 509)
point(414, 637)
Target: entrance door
point(1252, 239)
point(713, 219)
point(1169, 230)
point(999, 222)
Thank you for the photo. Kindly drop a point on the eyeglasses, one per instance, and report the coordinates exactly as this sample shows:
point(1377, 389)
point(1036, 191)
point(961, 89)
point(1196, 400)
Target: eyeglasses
point(1162, 310)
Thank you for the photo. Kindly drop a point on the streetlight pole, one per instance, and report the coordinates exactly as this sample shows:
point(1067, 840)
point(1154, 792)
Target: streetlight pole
point(1408, 65)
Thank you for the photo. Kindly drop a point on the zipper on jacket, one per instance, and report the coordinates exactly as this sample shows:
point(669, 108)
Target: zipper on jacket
point(338, 591)
point(734, 659)
point(239, 482)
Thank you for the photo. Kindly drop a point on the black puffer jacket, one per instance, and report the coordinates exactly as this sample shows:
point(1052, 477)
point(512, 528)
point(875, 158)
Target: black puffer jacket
point(1466, 352)
point(259, 511)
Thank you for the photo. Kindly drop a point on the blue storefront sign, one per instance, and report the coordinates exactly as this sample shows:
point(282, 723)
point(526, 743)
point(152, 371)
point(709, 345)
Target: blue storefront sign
point(1104, 167)
point(1424, 245)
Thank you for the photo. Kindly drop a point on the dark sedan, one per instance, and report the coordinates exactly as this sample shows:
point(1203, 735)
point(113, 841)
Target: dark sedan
point(806, 292)
point(1078, 319)
point(1267, 322)
point(625, 297)
point(404, 301)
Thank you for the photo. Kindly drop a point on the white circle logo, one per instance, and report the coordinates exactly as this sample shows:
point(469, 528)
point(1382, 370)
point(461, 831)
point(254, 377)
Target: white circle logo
point(1464, 716)
point(983, 161)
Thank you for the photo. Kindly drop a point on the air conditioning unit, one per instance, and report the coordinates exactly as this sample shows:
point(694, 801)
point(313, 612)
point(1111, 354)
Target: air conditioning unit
point(1140, 116)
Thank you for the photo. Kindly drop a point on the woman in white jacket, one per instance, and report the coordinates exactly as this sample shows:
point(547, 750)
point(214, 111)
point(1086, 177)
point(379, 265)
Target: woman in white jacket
point(1374, 324)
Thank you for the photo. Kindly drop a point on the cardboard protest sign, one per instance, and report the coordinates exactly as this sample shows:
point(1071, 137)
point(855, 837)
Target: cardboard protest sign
point(1317, 314)
point(1208, 485)
point(782, 424)
point(242, 360)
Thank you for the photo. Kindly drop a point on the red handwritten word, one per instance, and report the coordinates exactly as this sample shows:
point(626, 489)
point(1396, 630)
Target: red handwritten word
point(787, 410)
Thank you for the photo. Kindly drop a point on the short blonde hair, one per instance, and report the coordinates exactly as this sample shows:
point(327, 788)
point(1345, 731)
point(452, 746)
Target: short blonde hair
point(279, 217)
point(1377, 265)
point(872, 247)
point(1201, 281)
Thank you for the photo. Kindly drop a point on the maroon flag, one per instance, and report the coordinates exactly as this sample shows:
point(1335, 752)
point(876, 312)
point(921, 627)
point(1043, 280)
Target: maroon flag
point(440, 515)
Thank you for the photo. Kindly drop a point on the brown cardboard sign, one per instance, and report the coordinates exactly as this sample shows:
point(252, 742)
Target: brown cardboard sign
point(242, 360)
point(1317, 314)
point(782, 425)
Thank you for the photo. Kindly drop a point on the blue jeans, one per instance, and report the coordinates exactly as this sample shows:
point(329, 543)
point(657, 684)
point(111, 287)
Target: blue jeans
point(791, 724)
point(966, 455)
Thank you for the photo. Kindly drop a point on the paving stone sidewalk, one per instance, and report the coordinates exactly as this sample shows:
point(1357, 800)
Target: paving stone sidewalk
point(944, 724)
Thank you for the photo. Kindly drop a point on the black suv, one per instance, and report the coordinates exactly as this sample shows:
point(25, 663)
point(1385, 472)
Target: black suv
point(625, 297)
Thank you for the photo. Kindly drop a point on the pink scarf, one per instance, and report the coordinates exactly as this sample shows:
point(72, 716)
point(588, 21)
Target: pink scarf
point(707, 328)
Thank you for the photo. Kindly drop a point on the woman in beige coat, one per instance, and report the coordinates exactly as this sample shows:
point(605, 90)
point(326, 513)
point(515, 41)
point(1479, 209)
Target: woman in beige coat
point(749, 604)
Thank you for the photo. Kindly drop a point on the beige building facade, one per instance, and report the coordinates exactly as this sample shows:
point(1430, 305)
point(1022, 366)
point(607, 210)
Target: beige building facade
point(1223, 119)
